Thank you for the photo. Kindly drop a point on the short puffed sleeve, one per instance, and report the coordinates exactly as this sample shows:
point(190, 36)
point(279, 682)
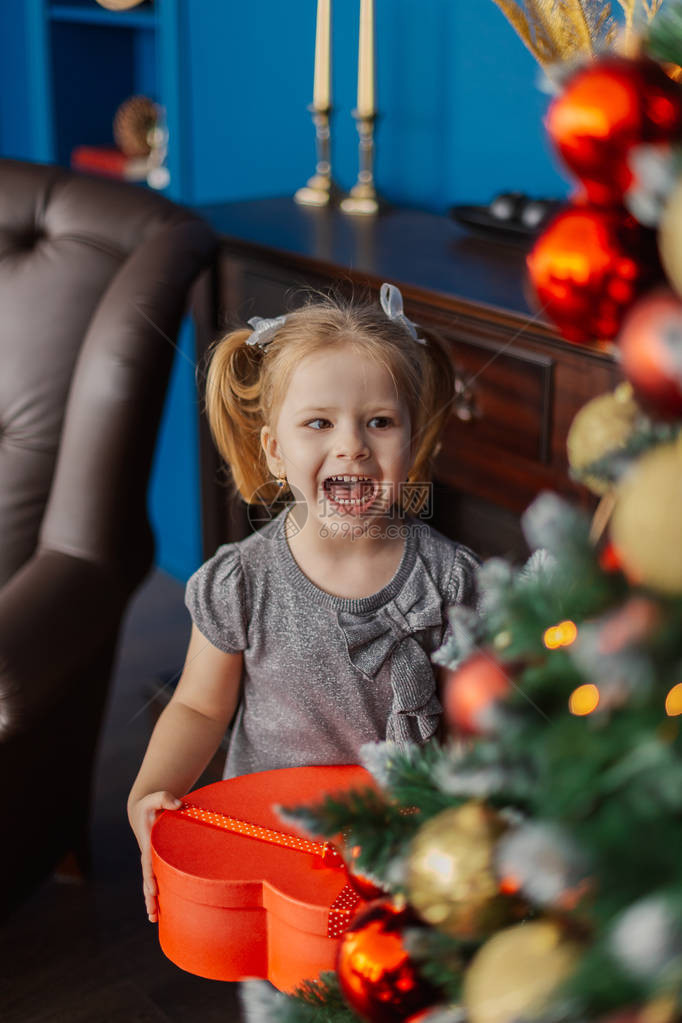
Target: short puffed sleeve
point(216, 598)
point(462, 585)
point(462, 600)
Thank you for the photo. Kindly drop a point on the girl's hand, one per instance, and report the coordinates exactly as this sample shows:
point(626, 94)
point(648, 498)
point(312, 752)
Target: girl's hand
point(142, 815)
point(189, 731)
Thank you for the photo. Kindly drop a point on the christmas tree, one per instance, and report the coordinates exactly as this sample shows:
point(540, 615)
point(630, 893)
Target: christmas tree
point(530, 866)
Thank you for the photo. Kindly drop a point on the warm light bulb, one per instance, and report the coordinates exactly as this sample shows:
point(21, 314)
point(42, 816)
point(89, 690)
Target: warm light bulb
point(673, 701)
point(583, 700)
point(559, 635)
point(550, 638)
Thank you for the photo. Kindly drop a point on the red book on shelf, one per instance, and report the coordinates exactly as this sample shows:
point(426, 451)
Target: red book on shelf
point(109, 162)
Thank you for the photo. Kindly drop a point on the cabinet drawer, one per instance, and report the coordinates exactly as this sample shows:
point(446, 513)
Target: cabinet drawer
point(503, 397)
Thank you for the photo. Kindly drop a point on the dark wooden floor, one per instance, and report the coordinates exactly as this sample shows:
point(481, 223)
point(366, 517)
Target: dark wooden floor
point(85, 952)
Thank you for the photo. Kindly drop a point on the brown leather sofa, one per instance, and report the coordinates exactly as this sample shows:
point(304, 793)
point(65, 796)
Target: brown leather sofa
point(94, 279)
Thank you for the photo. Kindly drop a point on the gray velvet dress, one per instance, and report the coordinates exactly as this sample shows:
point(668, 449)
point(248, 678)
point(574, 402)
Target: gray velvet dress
point(325, 674)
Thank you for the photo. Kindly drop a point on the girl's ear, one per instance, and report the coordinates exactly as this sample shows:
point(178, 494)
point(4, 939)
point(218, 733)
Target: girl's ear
point(271, 449)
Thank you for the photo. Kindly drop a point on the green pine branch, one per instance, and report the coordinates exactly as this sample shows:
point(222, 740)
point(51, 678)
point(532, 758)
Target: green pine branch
point(365, 818)
point(411, 779)
point(440, 959)
point(317, 1001)
point(599, 983)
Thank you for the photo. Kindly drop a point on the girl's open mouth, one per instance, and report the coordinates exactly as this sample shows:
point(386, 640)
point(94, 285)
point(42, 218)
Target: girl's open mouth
point(351, 493)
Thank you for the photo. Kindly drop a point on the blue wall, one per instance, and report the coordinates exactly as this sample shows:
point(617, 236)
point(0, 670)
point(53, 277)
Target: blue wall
point(461, 119)
point(174, 489)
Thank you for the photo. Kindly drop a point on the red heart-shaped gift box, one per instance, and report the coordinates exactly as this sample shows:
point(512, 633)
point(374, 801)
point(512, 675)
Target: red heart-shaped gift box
point(234, 904)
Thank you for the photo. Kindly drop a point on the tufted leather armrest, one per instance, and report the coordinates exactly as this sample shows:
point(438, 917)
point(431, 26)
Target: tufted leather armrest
point(97, 504)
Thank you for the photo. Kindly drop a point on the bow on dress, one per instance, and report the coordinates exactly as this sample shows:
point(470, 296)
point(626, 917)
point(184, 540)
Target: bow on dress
point(391, 632)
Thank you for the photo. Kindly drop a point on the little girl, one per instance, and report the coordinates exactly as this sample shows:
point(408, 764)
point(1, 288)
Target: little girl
point(315, 633)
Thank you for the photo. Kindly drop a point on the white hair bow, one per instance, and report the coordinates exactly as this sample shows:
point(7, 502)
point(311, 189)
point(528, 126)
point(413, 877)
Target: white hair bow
point(392, 304)
point(264, 330)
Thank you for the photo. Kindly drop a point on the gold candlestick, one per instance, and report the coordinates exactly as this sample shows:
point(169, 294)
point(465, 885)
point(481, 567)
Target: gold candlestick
point(320, 189)
point(362, 198)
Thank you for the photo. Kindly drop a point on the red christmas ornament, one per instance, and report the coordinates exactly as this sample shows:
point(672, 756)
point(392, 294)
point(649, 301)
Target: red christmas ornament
point(589, 266)
point(607, 108)
point(650, 346)
point(470, 690)
point(366, 886)
point(377, 977)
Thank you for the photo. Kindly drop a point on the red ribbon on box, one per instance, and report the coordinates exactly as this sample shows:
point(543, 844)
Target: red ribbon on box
point(345, 903)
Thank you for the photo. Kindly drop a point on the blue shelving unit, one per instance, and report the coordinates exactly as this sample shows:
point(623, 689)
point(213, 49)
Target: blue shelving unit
point(79, 62)
point(79, 14)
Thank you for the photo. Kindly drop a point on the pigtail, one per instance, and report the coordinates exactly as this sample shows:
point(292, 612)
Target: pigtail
point(435, 407)
point(234, 410)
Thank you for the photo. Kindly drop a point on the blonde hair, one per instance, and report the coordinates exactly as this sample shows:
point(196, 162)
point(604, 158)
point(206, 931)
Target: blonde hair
point(246, 385)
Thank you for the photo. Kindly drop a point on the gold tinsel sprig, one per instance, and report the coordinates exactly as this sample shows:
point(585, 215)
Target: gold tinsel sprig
point(568, 31)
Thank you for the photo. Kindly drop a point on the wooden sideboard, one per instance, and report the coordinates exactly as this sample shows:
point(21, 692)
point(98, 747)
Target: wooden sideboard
point(519, 383)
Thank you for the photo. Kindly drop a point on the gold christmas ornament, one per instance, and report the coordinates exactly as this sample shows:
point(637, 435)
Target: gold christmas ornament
point(514, 974)
point(645, 525)
point(670, 238)
point(601, 426)
point(451, 881)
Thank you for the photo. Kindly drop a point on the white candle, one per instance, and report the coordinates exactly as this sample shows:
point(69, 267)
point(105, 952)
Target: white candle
point(322, 81)
point(365, 103)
